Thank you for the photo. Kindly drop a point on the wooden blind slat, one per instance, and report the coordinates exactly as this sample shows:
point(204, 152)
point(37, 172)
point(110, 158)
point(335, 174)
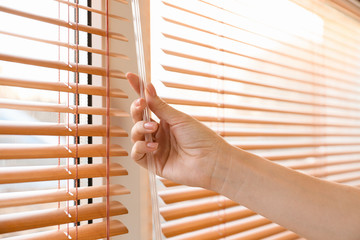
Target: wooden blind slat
point(19, 128)
point(259, 145)
point(30, 151)
point(56, 79)
point(83, 232)
point(265, 86)
point(261, 120)
point(71, 67)
point(258, 96)
point(58, 195)
point(69, 46)
point(89, 9)
point(304, 154)
point(279, 133)
point(253, 108)
point(50, 173)
point(227, 229)
point(199, 42)
point(42, 218)
point(58, 22)
point(257, 69)
point(62, 87)
point(258, 233)
point(50, 107)
point(255, 40)
point(177, 227)
point(302, 165)
point(196, 207)
point(328, 173)
point(334, 45)
point(286, 235)
point(178, 195)
point(257, 83)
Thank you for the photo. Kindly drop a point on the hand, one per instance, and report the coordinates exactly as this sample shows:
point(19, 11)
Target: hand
point(185, 151)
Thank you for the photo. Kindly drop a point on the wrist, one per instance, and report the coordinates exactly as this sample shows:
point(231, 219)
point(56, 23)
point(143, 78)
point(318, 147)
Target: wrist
point(227, 173)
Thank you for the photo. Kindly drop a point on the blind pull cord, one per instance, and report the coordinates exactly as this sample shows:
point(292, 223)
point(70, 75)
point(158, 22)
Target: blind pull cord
point(146, 116)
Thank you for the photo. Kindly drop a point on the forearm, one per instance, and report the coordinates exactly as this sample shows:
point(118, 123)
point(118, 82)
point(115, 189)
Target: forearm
point(313, 208)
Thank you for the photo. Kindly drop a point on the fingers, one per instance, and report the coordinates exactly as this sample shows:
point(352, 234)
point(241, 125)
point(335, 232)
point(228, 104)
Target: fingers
point(139, 150)
point(134, 81)
point(161, 109)
point(137, 109)
point(141, 128)
point(156, 104)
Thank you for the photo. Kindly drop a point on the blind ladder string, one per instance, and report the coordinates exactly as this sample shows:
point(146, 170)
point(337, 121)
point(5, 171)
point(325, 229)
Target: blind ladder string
point(146, 116)
point(107, 119)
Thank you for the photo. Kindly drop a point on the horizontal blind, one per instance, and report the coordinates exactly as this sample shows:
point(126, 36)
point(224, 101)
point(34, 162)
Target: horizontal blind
point(56, 154)
point(276, 78)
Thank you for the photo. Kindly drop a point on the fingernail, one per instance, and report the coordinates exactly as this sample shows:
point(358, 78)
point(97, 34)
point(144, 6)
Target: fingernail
point(137, 102)
point(151, 90)
point(149, 125)
point(152, 145)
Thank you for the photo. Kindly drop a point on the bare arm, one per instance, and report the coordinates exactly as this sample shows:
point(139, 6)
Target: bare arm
point(311, 207)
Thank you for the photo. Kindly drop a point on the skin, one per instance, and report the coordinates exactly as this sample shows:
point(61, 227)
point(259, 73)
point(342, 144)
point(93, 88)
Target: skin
point(311, 207)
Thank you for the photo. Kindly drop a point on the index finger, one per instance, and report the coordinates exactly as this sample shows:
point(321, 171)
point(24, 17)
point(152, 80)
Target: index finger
point(134, 81)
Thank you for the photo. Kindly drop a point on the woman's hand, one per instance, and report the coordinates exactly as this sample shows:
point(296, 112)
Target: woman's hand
point(185, 151)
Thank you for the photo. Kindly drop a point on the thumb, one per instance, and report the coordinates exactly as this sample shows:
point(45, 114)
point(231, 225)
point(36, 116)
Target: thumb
point(160, 108)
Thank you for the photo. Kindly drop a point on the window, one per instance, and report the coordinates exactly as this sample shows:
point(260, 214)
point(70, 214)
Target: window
point(250, 70)
point(53, 152)
point(277, 78)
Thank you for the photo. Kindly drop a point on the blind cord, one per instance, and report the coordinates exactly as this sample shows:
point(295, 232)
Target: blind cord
point(146, 116)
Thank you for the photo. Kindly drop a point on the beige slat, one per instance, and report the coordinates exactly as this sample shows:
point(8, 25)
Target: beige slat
point(254, 108)
point(265, 145)
point(259, 120)
point(42, 218)
point(287, 235)
point(302, 165)
point(29, 151)
point(168, 183)
point(58, 22)
point(62, 87)
point(72, 67)
point(270, 74)
point(324, 13)
point(346, 179)
point(341, 50)
point(327, 173)
point(178, 195)
point(198, 43)
point(269, 133)
point(281, 157)
point(51, 173)
point(14, 199)
point(258, 233)
point(71, 46)
point(261, 84)
point(204, 13)
point(83, 232)
point(177, 211)
point(89, 9)
point(293, 54)
point(62, 108)
point(227, 229)
point(19, 128)
point(189, 86)
point(181, 226)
